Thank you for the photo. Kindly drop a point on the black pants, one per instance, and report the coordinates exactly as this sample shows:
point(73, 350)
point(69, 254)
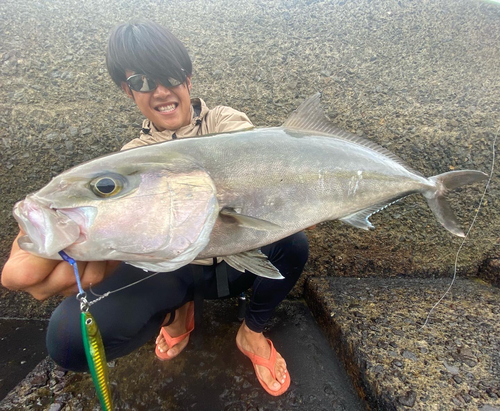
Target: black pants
point(129, 318)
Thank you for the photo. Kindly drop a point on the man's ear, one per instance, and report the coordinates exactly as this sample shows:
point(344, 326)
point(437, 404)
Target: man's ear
point(127, 90)
point(188, 83)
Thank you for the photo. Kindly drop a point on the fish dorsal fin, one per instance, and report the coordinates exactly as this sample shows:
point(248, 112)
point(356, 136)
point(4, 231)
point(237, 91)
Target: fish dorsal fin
point(309, 117)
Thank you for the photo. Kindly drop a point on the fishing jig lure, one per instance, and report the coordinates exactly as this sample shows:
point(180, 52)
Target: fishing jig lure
point(92, 342)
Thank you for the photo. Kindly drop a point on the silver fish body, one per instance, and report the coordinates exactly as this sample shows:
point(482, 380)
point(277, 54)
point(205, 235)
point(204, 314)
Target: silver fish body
point(224, 195)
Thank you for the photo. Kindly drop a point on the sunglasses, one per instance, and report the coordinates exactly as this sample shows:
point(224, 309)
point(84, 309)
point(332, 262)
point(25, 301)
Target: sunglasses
point(144, 84)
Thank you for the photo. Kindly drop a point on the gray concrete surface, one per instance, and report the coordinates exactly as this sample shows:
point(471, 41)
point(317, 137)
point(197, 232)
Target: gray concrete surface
point(375, 325)
point(211, 374)
point(22, 344)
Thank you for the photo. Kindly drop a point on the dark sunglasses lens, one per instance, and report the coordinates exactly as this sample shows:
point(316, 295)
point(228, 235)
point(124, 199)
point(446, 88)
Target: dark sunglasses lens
point(141, 83)
point(169, 82)
point(174, 82)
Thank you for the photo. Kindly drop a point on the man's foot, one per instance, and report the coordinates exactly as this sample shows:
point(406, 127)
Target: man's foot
point(174, 337)
point(255, 345)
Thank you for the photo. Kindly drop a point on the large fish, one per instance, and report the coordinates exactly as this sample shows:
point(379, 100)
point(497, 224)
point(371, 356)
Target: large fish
point(161, 206)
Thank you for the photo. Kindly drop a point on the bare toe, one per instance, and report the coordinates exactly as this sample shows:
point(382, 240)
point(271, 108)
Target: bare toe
point(268, 379)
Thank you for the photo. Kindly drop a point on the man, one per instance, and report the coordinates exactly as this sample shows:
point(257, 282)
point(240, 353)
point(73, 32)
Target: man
point(154, 69)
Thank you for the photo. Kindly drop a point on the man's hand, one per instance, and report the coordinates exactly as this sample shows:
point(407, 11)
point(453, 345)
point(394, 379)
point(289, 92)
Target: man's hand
point(44, 278)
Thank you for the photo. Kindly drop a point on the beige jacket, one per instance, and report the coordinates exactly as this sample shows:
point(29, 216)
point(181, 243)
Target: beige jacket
point(204, 121)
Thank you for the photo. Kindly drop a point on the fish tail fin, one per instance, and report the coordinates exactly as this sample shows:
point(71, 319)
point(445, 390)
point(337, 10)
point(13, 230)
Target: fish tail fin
point(437, 198)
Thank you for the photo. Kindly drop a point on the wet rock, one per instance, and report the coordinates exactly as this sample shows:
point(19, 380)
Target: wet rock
point(467, 398)
point(52, 136)
point(234, 60)
point(328, 390)
point(397, 363)
point(410, 355)
point(38, 379)
point(470, 362)
point(451, 369)
point(408, 400)
point(474, 393)
point(73, 131)
point(491, 393)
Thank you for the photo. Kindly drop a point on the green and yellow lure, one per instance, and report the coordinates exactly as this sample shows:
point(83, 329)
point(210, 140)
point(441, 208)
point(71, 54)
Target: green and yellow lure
point(96, 359)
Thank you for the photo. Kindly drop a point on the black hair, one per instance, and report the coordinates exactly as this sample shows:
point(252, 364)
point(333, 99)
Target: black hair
point(145, 47)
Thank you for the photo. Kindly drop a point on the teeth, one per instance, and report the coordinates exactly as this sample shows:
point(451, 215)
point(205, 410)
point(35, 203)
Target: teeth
point(170, 107)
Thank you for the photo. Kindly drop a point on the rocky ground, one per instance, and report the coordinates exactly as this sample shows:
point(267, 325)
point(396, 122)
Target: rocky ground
point(420, 78)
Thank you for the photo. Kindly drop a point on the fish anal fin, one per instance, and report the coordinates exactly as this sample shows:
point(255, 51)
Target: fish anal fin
point(254, 261)
point(248, 221)
point(360, 219)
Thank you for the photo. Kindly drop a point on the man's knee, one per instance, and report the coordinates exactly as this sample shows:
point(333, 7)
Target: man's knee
point(289, 254)
point(296, 249)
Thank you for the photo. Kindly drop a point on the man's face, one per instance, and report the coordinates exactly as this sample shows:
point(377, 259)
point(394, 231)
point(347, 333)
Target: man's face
point(168, 108)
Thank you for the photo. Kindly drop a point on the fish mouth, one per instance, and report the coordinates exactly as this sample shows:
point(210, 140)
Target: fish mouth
point(48, 230)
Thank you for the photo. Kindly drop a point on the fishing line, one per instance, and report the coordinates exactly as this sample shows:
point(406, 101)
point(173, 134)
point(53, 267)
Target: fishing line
point(101, 296)
point(466, 235)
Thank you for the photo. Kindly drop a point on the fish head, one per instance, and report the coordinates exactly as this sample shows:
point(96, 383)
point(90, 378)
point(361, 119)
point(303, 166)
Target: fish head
point(135, 205)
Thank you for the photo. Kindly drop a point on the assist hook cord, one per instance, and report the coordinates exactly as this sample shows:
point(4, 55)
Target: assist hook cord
point(466, 235)
point(82, 295)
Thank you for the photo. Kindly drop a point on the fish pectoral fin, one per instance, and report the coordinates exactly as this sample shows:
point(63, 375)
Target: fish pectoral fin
point(254, 261)
point(360, 218)
point(247, 221)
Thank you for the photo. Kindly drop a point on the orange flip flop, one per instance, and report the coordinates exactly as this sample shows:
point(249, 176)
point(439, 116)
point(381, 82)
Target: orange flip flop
point(270, 365)
point(171, 341)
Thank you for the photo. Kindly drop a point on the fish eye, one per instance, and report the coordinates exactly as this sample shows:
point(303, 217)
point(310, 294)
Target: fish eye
point(106, 186)
point(88, 321)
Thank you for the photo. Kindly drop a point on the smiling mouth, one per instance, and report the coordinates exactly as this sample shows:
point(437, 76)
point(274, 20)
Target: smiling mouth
point(167, 108)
